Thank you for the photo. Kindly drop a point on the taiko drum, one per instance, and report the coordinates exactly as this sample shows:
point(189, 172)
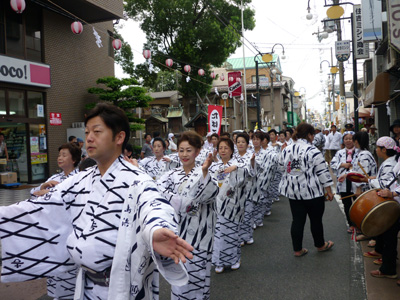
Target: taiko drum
point(373, 214)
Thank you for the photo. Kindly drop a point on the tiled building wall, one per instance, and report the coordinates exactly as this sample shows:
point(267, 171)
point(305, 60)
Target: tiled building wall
point(114, 6)
point(76, 63)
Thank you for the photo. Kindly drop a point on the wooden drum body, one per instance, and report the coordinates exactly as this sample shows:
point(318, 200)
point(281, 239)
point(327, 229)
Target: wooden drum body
point(374, 214)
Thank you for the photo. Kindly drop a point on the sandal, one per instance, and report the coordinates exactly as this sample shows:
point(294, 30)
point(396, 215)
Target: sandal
point(378, 261)
point(379, 274)
point(328, 245)
point(371, 243)
point(303, 252)
point(371, 254)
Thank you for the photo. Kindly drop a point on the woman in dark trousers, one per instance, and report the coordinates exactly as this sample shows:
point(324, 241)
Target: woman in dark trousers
point(305, 179)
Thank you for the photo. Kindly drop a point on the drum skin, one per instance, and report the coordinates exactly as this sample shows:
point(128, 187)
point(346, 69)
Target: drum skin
point(373, 214)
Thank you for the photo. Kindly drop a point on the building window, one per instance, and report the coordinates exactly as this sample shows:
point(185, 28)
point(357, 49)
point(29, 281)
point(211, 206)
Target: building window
point(3, 108)
point(16, 102)
point(367, 72)
point(21, 34)
point(34, 100)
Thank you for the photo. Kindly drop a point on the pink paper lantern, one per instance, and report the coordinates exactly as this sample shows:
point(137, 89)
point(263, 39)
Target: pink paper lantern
point(169, 62)
point(18, 5)
point(147, 54)
point(187, 68)
point(117, 44)
point(77, 27)
point(212, 75)
point(201, 72)
point(222, 77)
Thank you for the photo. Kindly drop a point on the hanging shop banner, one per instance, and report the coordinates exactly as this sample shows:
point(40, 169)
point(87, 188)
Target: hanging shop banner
point(361, 49)
point(371, 20)
point(24, 72)
point(342, 50)
point(235, 84)
point(214, 118)
point(394, 23)
point(55, 119)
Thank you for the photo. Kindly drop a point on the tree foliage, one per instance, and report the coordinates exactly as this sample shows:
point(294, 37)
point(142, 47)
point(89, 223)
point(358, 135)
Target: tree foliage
point(124, 93)
point(194, 32)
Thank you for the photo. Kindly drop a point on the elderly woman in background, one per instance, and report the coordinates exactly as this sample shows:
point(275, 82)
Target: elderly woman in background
point(69, 156)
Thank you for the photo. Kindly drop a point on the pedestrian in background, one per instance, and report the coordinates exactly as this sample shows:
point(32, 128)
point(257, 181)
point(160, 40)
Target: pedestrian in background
point(305, 179)
point(373, 137)
point(395, 129)
point(334, 141)
point(147, 149)
point(3, 147)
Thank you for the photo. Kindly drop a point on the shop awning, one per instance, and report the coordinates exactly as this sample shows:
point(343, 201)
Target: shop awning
point(378, 90)
point(362, 112)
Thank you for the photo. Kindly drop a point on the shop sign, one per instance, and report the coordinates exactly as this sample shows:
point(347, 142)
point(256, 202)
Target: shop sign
point(361, 49)
point(55, 119)
point(214, 118)
point(38, 158)
point(394, 23)
point(235, 83)
point(24, 72)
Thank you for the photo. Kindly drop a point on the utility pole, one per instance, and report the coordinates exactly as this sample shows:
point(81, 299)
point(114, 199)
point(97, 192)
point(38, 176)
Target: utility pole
point(244, 76)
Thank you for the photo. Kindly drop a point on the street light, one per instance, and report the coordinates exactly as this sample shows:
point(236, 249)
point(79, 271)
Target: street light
point(267, 58)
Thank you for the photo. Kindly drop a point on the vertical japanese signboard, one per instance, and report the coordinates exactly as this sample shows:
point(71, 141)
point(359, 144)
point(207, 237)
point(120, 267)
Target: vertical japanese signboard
point(394, 23)
point(235, 83)
point(361, 50)
point(214, 118)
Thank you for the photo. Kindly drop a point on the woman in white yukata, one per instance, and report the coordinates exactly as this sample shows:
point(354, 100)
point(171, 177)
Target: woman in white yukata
point(69, 157)
point(246, 227)
point(192, 192)
point(231, 175)
point(364, 158)
point(341, 163)
point(155, 166)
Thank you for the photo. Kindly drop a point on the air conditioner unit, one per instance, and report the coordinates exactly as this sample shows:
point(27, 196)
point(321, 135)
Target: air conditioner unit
point(78, 125)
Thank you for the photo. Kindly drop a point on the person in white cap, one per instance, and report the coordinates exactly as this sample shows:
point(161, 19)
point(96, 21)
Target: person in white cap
point(172, 146)
point(207, 143)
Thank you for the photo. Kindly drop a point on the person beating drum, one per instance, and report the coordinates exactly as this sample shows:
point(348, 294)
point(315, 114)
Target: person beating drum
point(386, 243)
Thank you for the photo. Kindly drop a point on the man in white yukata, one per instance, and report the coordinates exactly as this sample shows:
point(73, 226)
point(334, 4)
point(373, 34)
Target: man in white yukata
point(108, 221)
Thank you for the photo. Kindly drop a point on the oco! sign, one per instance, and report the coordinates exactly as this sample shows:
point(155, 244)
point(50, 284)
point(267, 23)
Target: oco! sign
point(214, 118)
point(235, 84)
point(24, 72)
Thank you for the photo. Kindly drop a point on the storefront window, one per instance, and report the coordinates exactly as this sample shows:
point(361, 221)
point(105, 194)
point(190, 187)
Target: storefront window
point(16, 101)
point(38, 151)
point(33, 34)
point(15, 138)
point(35, 105)
point(3, 109)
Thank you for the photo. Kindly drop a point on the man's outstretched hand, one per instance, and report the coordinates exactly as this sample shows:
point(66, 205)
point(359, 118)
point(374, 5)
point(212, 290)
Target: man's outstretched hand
point(167, 243)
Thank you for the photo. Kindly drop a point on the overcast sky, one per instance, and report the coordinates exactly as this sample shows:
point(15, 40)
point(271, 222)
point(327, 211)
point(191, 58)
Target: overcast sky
point(282, 22)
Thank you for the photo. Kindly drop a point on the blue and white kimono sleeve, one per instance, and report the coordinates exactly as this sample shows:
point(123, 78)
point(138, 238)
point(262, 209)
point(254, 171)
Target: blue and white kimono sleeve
point(385, 174)
point(337, 160)
point(367, 161)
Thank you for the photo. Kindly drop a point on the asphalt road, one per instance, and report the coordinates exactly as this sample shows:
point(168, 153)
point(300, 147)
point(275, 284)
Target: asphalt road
point(270, 271)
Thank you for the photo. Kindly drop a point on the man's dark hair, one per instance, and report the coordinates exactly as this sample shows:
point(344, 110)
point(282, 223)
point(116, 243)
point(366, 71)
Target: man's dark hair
point(114, 118)
point(71, 138)
point(274, 131)
point(146, 134)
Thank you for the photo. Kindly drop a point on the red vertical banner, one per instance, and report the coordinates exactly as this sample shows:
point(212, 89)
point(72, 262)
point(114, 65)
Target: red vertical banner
point(235, 83)
point(214, 118)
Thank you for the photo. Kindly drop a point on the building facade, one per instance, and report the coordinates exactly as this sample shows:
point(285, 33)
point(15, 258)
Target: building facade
point(46, 72)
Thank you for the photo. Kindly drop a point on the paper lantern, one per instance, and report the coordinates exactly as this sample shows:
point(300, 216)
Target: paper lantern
point(187, 68)
point(201, 72)
point(77, 27)
point(212, 75)
point(117, 44)
point(222, 77)
point(147, 54)
point(169, 62)
point(18, 5)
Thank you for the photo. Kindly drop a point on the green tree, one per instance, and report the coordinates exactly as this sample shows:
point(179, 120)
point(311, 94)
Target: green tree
point(124, 93)
point(199, 33)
